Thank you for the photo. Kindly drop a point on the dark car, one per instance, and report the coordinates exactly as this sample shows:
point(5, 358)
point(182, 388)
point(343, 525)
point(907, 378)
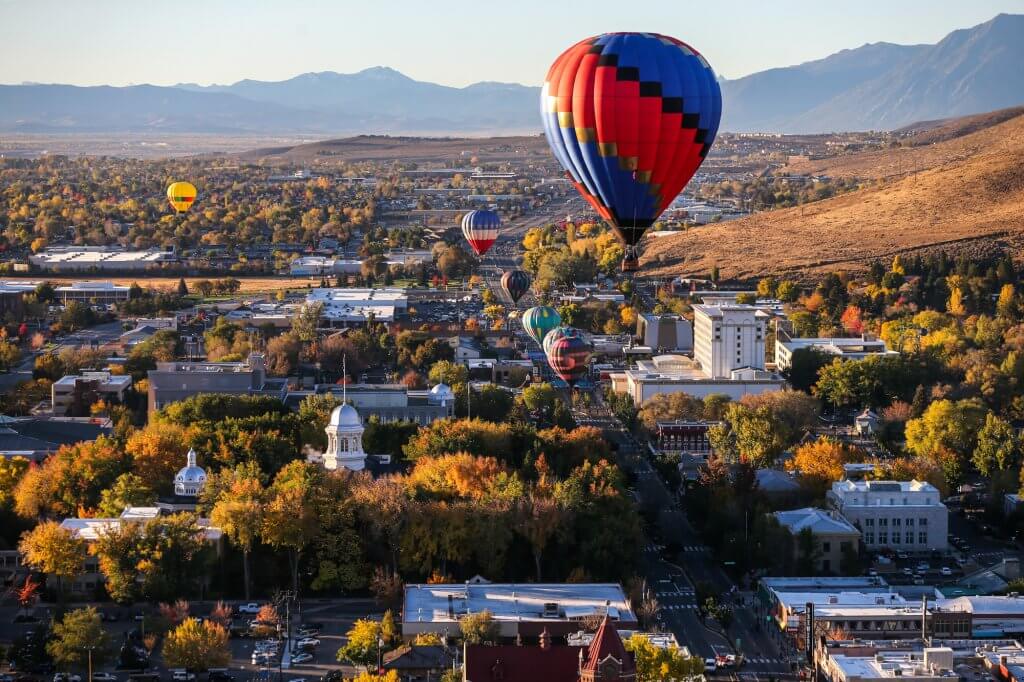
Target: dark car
point(220, 676)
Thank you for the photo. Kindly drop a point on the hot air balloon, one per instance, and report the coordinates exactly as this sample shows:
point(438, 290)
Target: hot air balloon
point(515, 283)
point(539, 320)
point(630, 116)
point(480, 228)
point(555, 334)
point(181, 195)
point(568, 358)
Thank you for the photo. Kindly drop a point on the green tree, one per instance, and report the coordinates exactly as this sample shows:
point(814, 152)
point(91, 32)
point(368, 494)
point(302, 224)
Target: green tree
point(239, 513)
point(804, 367)
point(289, 518)
point(307, 321)
point(314, 413)
point(128, 490)
point(447, 372)
point(173, 553)
point(196, 646)
point(118, 550)
point(182, 287)
point(946, 424)
point(77, 634)
point(9, 354)
point(998, 447)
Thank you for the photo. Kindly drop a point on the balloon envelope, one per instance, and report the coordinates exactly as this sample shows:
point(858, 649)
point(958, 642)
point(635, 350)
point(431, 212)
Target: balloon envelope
point(480, 228)
point(515, 283)
point(539, 320)
point(630, 116)
point(568, 358)
point(555, 334)
point(181, 195)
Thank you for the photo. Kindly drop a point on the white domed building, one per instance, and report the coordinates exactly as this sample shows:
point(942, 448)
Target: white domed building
point(442, 395)
point(344, 441)
point(190, 480)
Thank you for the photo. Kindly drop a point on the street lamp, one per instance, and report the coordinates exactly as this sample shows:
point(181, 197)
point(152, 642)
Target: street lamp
point(88, 650)
point(380, 646)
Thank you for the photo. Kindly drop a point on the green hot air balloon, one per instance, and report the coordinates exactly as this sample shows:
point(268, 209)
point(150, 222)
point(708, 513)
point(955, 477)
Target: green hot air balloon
point(539, 320)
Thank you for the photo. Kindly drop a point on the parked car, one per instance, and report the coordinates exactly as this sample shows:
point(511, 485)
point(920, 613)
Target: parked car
point(65, 677)
point(104, 677)
point(250, 608)
point(302, 657)
point(918, 580)
point(306, 631)
point(181, 675)
point(308, 641)
point(901, 555)
point(908, 572)
point(709, 665)
point(946, 570)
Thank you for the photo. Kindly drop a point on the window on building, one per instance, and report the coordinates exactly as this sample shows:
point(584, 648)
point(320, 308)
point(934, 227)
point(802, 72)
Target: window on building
point(909, 537)
point(826, 547)
point(896, 522)
point(826, 565)
point(869, 538)
point(910, 523)
point(883, 537)
point(844, 546)
point(870, 523)
point(883, 523)
point(922, 521)
point(922, 538)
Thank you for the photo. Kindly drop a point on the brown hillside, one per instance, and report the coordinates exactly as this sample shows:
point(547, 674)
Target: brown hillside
point(955, 140)
point(968, 196)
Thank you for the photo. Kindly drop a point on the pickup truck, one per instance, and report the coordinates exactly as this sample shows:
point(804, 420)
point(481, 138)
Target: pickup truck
point(252, 607)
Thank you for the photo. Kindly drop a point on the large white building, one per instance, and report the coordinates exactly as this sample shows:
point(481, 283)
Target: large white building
point(347, 307)
point(729, 337)
point(680, 374)
point(843, 348)
point(92, 292)
point(903, 515)
point(98, 258)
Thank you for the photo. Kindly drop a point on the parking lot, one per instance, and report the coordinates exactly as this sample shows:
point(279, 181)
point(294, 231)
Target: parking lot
point(334, 617)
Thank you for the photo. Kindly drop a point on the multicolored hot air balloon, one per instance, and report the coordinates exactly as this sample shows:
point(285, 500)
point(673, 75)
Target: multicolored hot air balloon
point(555, 334)
point(181, 195)
point(568, 358)
point(515, 283)
point(631, 117)
point(539, 320)
point(480, 228)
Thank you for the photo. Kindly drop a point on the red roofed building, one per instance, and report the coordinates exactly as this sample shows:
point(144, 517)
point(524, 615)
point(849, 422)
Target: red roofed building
point(605, 660)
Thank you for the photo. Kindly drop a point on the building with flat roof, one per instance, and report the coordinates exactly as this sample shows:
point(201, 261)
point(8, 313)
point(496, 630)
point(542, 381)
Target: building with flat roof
point(35, 438)
point(665, 332)
point(351, 307)
point(98, 258)
point(933, 664)
point(174, 381)
point(388, 402)
point(525, 609)
point(834, 537)
point(92, 292)
point(72, 395)
point(680, 374)
point(907, 516)
point(856, 348)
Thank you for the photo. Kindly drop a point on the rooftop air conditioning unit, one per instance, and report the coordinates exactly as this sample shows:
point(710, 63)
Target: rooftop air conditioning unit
point(550, 609)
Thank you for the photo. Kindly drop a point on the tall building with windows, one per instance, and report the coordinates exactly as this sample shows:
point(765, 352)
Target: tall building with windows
point(728, 337)
point(907, 516)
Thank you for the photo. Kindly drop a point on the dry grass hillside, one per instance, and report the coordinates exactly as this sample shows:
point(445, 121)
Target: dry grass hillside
point(965, 195)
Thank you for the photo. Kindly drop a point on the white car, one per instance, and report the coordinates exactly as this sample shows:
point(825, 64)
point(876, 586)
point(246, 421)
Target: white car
point(709, 665)
point(252, 607)
point(301, 657)
point(946, 570)
point(183, 676)
point(104, 677)
point(307, 641)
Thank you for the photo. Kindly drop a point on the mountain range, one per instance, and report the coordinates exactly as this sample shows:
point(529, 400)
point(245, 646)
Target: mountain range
point(875, 86)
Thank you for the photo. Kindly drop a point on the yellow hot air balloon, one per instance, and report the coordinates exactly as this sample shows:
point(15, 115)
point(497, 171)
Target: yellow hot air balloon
point(181, 195)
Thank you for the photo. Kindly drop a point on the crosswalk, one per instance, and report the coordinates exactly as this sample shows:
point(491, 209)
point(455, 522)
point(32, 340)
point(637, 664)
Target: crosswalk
point(677, 592)
point(677, 607)
point(654, 547)
point(764, 661)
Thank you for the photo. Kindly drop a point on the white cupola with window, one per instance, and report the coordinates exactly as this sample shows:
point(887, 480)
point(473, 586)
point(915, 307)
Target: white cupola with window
point(190, 480)
point(345, 440)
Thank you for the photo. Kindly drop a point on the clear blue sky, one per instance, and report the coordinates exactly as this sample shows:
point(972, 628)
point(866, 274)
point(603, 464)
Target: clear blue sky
point(89, 42)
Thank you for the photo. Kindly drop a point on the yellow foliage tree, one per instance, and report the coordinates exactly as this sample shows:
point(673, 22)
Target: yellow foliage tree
point(821, 462)
point(197, 646)
point(157, 453)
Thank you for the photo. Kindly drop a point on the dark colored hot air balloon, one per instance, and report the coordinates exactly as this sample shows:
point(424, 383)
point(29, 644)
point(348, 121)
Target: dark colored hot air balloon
point(539, 320)
point(515, 283)
point(480, 228)
point(568, 358)
point(555, 334)
point(630, 116)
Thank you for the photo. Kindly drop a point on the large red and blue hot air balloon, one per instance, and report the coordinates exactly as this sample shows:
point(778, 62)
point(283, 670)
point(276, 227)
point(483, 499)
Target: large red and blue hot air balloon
point(480, 228)
point(568, 357)
point(630, 116)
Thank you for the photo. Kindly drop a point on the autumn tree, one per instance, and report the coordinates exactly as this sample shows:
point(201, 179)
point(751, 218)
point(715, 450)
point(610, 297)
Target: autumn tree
point(538, 520)
point(478, 628)
point(998, 446)
point(361, 646)
point(54, 550)
point(128, 490)
point(821, 463)
point(197, 646)
point(239, 513)
point(118, 550)
point(660, 664)
point(289, 521)
point(946, 424)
